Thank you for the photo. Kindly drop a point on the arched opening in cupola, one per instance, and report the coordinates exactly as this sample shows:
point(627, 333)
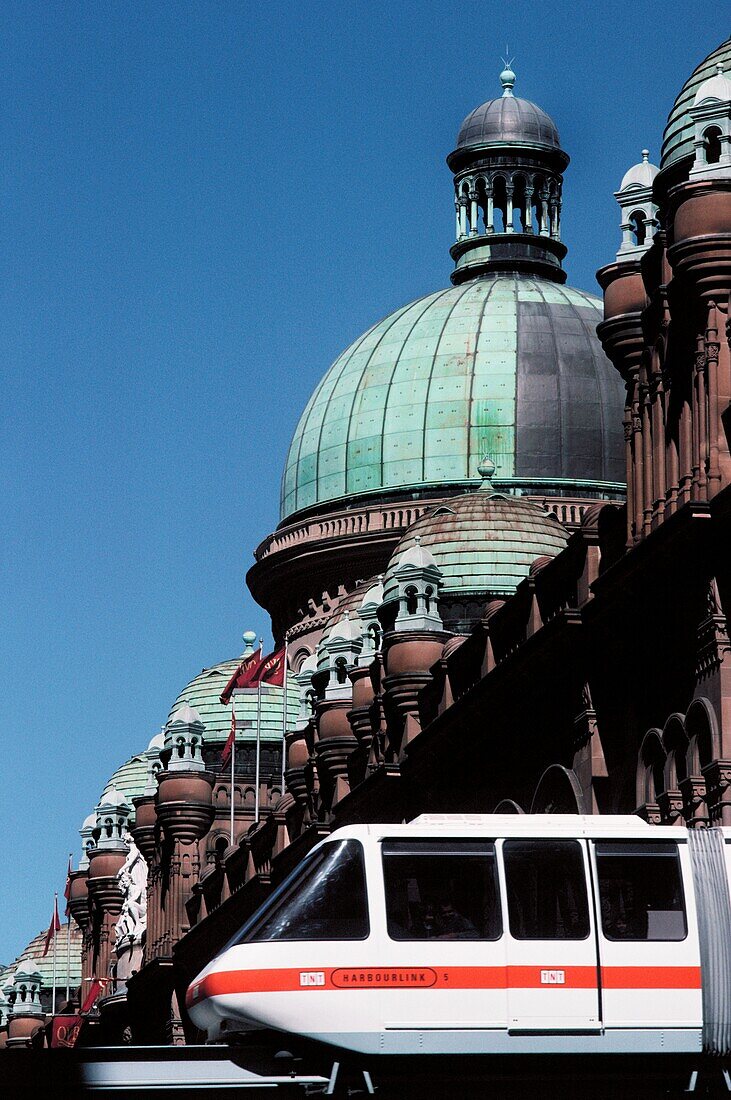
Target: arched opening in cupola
point(712, 144)
point(638, 229)
point(499, 204)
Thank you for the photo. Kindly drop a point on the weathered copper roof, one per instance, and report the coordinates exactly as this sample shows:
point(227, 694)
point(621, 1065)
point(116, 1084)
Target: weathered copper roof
point(506, 365)
point(679, 132)
point(484, 542)
point(508, 120)
point(202, 694)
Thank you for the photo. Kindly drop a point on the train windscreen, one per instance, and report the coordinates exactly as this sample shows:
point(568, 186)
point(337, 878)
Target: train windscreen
point(441, 890)
point(324, 899)
point(641, 890)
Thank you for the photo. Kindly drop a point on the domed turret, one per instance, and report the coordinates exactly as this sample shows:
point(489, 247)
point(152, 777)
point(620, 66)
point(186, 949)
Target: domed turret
point(639, 212)
point(508, 171)
point(679, 146)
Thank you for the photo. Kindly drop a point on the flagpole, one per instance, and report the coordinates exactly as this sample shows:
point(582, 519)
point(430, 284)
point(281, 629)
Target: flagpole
point(258, 741)
point(284, 707)
point(55, 934)
point(67, 894)
point(233, 760)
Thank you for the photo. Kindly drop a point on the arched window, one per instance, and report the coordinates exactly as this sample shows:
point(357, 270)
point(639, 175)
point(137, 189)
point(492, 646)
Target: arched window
point(519, 214)
point(374, 632)
point(499, 204)
point(712, 144)
point(341, 670)
point(428, 594)
point(220, 847)
point(638, 227)
point(412, 600)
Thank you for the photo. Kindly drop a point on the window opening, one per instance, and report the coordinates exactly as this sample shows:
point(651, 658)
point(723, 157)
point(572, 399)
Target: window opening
point(323, 899)
point(638, 228)
point(641, 891)
point(546, 887)
point(712, 144)
point(441, 890)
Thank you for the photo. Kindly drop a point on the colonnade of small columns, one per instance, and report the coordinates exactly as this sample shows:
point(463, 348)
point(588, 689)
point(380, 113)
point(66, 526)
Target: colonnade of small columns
point(536, 199)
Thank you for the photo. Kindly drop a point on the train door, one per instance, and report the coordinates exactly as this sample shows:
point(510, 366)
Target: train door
point(648, 945)
point(552, 973)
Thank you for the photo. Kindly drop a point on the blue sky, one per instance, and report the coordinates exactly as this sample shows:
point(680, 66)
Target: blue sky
point(202, 204)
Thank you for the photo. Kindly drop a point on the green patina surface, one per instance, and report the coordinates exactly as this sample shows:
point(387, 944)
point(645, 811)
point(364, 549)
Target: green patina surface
point(203, 693)
point(32, 958)
point(129, 779)
point(421, 396)
point(679, 132)
point(484, 542)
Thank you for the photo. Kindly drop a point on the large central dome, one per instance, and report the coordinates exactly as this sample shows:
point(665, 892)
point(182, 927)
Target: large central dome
point(506, 365)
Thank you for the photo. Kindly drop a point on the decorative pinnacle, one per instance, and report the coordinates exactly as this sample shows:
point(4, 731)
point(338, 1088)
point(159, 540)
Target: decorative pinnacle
point(507, 76)
point(645, 156)
point(249, 639)
point(486, 470)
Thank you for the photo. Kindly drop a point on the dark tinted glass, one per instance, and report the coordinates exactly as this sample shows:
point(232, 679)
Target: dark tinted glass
point(441, 890)
point(641, 891)
point(327, 901)
point(546, 886)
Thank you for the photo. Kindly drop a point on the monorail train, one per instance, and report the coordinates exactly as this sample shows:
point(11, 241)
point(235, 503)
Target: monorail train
point(489, 934)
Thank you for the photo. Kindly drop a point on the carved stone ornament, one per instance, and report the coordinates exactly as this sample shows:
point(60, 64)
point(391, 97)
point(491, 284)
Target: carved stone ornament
point(132, 879)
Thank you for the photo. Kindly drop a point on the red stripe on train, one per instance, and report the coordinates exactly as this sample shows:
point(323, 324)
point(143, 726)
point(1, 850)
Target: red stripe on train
point(453, 977)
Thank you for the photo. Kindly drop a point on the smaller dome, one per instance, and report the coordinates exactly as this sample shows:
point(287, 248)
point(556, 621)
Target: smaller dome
point(185, 714)
point(113, 797)
point(508, 120)
point(32, 959)
point(156, 742)
point(717, 87)
point(203, 693)
point(640, 175)
point(482, 542)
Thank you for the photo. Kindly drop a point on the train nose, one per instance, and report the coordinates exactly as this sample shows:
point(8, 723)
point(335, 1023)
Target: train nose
point(202, 1007)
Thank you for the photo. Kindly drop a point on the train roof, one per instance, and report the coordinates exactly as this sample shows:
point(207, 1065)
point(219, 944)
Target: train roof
point(626, 826)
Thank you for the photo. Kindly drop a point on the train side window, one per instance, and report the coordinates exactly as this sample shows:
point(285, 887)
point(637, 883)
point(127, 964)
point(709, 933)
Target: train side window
point(325, 900)
point(546, 887)
point(641, 890)
point(441, 890)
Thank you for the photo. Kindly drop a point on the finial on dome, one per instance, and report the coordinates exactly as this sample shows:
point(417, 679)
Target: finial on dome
point(645, 156)
point(249, 639)
point(507, 76)
point(486, 470)
point(719, 68)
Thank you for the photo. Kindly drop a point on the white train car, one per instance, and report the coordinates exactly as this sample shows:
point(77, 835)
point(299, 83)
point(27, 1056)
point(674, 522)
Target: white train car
point(489, 935)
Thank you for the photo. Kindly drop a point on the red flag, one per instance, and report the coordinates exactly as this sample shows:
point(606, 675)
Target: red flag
point(53, 928)
point(243, 676)
point(67, 889)
point(272, 669)
point(228, 747)
point(95, 988)
point(65, 1030)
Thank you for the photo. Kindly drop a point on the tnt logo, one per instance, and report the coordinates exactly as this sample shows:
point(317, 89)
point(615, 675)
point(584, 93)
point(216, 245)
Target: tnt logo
point(553, 977)
point(312, 977)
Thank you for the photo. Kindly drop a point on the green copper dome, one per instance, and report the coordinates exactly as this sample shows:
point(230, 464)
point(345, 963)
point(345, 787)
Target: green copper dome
point(130, 779)
point(677, 141)
point(483, 542)
point(507, 365)
point(202, 694)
